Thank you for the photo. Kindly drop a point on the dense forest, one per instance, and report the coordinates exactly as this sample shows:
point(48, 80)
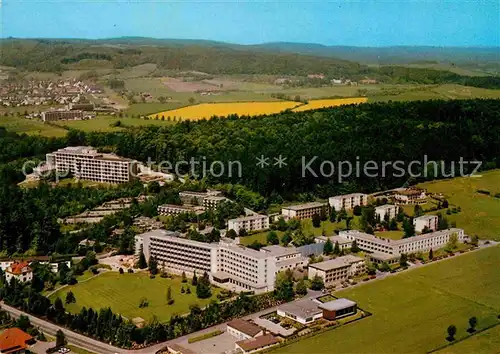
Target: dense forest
point(58, 55)
point(406, 131)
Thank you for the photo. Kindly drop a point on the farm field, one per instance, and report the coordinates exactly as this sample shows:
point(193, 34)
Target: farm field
point(315, 104)
point(21, 125)
point(443, 92)
point(480, 213)
point(123, 293)
point(206, 110)
point(412, 310)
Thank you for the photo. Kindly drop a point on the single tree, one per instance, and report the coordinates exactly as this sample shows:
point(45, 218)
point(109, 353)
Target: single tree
point(120, 270)
point(316, 220)
point(60, 339)
point(328, 248)
point(170, 301)
point(472, 324)
point(231, 234)
point(333, 215)
point(203, 290)
point(336, 249)
point(452, 330)
point(272, 238)
point(317, 283)
point(183, 277)
point(301, 288)
point(70, 297)
point(403, 260)
point(354, 247)
point(194, 281)
point(141, 263)
point(431, 254)
point(286, 238)
point(283, 286)
point(357, 210)
point(153, 265)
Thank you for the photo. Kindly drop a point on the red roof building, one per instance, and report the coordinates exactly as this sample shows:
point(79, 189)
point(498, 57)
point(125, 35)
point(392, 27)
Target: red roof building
point(14, 341)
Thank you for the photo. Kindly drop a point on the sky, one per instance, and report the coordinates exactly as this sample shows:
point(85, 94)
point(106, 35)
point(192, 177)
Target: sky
point(341, 22)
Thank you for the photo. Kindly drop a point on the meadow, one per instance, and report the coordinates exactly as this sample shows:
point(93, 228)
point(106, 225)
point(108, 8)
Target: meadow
point(21, 125)
point(107, 123)
point(480, 213)
point(123, 293)
point(412, 310)
point(484, 342)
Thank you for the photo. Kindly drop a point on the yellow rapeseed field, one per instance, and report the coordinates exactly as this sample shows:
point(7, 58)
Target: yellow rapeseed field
point(315, 104)
point(208, 110)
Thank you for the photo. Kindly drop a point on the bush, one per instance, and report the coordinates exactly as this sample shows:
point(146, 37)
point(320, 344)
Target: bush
point(483, 191)
point(152, 276)
point(205, 336)
point(130, 270)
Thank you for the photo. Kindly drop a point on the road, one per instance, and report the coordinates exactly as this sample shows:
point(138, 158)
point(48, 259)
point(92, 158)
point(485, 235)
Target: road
point(103, 348)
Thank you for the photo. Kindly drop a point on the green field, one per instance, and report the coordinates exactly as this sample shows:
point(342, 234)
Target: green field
point(106, 123)
point(480, 213)
point(485, 342)
point(22, 125)
point(123, 293)
point(412, 310)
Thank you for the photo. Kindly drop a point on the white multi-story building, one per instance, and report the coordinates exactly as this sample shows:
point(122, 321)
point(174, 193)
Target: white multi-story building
point(173, 209)
point(230, 265)
point(213, 201)
point(337, 270)
point(86, 163)
point(348, 201)
point(20, 271)
point(177, 254)
point(249, 223)
point(304, 211)
point(408, 245)
point(197, 198)
point(429, 221)
point(388, 209)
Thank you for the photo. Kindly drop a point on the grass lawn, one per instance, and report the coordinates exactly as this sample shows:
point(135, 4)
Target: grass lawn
point(123, 293)
point(480, 213)
point(412, 310)
point(484, 342)
point(105, 123)
point(22, 125)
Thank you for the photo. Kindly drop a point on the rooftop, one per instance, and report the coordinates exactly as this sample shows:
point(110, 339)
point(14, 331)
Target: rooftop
point(426, 236)
point(301, 308)
point(426, 217)
point(279, 251)
point(385, 206)
point(336, 305)
point(180, 349)
point(258, 342)
point(349, 195)
point(250, 217)
point(16, 268)
point(13, 340)
point(305, 206)
point(339, 239)
point(410, 192)
point(339, 262)
point(245, 327)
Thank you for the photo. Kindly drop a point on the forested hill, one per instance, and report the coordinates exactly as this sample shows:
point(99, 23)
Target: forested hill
point(407, 131)
point(58, 55)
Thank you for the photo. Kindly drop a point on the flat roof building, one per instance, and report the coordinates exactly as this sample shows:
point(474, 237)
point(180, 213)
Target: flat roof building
point(388, 209)
point(304, 211)
point(348, 201)
point(230, 265)
point(407, 245)
point(339, 308)
point(426, 221)
point(51, 116)
point(410, 196)
point(242, 329)
point(342, 241)
point(256, 344)
point(174, 209)
point(84, 162)
point(303, 311)
point(338, 270)
point(254, 222)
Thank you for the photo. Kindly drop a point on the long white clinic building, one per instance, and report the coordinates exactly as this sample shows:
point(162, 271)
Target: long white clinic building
point(85, 162)
point(229, 264)
point(408, 245)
